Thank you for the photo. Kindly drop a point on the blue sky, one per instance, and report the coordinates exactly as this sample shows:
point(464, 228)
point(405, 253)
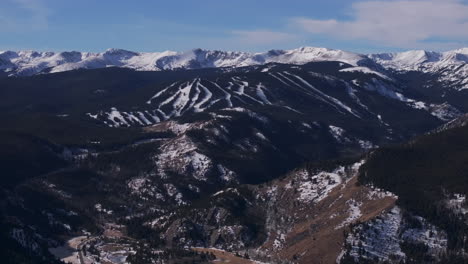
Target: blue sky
point(150, 25)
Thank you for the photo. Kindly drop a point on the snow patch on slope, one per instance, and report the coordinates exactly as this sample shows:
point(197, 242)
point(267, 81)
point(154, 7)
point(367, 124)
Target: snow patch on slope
point(366, 71)
point(382, 237)
point(316, 187)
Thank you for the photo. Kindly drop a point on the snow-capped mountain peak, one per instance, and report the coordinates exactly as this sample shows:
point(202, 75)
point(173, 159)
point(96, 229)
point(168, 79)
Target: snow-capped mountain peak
point(32, 62)
point(410, 58)
point(308, 54)
point(460, 55)
point(415, 59)
point(451, 66)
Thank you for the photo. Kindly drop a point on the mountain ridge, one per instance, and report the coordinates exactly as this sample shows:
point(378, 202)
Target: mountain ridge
point(268, 161)
point(34, 62)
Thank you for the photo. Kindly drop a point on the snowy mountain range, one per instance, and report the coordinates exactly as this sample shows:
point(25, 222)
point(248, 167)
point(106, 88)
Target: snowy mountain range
point(417, 59)
point(280, 157)
point(33, 62)
point(450, 65)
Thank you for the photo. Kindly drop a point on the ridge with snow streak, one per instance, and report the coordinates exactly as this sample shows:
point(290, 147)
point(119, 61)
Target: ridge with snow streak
point(277, 89)
point(293, 90)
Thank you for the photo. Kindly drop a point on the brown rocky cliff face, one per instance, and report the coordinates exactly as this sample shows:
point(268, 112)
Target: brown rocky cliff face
point(304, 217)
point(313, 230)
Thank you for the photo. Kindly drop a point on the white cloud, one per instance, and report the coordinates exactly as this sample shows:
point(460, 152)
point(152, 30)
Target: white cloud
point(261, 37)
point(403, 24)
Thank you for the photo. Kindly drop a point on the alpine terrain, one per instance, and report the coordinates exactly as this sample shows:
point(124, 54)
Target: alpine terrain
point(310, 155)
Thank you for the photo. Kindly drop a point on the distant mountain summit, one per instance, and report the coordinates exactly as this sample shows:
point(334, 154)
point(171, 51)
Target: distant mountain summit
point(451, 65)
point(417, 59)
point(32, 62)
